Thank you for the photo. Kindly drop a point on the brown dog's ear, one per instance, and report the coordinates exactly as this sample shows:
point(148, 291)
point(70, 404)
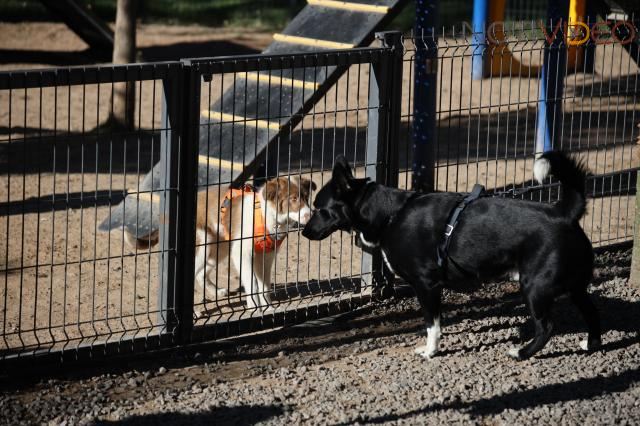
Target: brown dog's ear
point(271, 190)
point(342, 175)
point(306, 186)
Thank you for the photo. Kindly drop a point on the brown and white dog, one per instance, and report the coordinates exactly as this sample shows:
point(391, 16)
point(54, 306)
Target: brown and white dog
point(250, 226)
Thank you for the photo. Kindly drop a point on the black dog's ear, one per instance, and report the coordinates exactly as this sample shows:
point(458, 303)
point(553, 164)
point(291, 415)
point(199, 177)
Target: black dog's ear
point(342, 162)
point(342, 176)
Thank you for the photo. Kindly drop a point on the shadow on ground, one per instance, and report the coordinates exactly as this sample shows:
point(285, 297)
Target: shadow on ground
point(195, 49)
point(616, 314)
point(169, 52)
point(239, 415)
point(519, 400)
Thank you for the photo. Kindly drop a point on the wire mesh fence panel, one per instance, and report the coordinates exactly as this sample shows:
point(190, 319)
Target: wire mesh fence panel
point(93, 253)
point(288, 123)
point(183, 223)
point(65, 283)
point(487, 129)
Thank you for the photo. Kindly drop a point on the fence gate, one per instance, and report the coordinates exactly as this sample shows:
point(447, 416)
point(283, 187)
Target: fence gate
point(99, 221)
point(286, 117)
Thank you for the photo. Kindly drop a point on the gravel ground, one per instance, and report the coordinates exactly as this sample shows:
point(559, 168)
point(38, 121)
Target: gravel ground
point(363, 370)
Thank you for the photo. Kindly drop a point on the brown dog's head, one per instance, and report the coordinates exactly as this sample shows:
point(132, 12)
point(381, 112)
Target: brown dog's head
point(289, 198)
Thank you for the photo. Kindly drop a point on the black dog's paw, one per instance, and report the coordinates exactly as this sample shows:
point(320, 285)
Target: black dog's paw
point(525, 332)
point(590, 345)
point(514, 353)
point(383, 292)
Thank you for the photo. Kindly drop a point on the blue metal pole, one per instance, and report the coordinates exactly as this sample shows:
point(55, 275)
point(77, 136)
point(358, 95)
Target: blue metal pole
point(543, 133)
point(552, 75)
point(424, 95)
point(479, 20)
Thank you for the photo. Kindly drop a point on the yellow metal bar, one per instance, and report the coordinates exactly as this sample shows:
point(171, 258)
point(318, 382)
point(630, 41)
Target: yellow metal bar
point(222, 116)
point(575, 54)
point(501, 60)
point(345, 5)
point(577, 10)
point(282, 81)
point(306, 41)
point(219, 162)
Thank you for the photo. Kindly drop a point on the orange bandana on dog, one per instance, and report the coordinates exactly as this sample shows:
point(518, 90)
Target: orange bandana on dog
point(262, 240)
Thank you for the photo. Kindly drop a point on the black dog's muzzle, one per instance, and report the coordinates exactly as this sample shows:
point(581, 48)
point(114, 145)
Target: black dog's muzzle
point(321, 225)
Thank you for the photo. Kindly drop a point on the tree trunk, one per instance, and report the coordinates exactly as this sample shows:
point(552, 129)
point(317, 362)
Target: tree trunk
point(124, 52)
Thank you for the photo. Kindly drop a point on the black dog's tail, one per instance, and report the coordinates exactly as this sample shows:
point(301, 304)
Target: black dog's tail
point(571, 174)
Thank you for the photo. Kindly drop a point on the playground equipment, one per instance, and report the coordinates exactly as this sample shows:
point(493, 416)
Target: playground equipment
point(85, 24)
point(489, 27)
point(562, 54)
point(244, 114)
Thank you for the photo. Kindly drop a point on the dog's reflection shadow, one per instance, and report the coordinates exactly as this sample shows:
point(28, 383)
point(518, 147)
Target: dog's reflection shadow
point(281, 294)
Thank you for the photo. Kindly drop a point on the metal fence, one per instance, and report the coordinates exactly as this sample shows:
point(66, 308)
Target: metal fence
point(99, 236)
point(487, 129)
point(64, 283)
point(102, 226)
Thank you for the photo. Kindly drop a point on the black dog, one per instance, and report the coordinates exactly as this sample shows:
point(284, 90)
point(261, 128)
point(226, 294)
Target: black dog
point(542, 242)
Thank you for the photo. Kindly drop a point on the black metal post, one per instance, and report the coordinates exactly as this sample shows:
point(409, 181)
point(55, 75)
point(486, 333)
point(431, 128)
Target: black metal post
point(590, 47)
point(627, 33)
point(168, 176)
point(385, 92)
point(186, 217)
point(424, 96)
point(394, 41)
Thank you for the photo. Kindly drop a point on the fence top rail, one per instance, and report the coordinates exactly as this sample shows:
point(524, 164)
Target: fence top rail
point(263, 62)
point(80, 75)
point(108, 73)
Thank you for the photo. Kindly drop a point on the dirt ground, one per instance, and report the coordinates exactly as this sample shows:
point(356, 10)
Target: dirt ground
point(61, 279)
point(361, 369)
point(28, 45)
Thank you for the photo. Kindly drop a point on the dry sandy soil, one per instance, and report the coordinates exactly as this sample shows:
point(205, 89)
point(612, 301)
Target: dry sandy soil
point(62, 280)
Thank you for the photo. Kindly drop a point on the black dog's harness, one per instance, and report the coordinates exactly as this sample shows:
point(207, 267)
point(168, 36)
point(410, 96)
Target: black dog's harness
point(443, 249)
point(478, 191)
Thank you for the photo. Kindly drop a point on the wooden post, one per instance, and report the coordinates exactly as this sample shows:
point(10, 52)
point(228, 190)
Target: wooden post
point(634, 277)
point(124, 52)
